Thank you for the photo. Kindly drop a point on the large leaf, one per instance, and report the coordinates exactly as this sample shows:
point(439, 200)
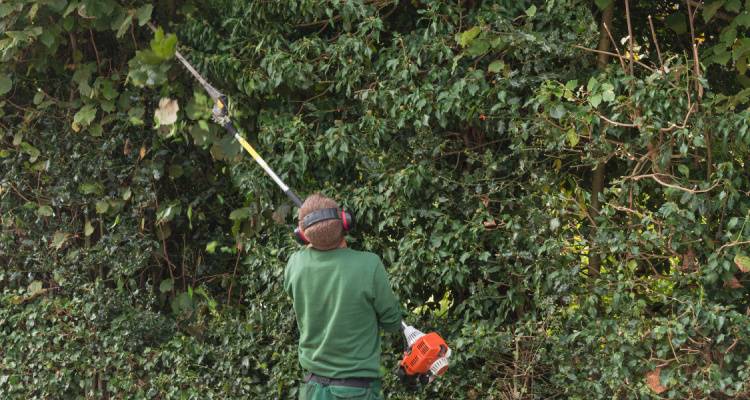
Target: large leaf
point(710, 9)
point(603, 4)
point(468, 36)
point(5, 84)
point(164, 46)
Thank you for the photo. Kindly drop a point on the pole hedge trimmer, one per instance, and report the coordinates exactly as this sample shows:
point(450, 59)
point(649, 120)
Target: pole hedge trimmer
point(220, 115)
point(426, 356)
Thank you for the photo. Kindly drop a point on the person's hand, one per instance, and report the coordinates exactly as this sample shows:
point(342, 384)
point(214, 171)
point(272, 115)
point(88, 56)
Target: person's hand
point(412, 383)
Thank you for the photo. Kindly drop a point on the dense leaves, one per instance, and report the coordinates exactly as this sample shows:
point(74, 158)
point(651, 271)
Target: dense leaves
point(143, 252)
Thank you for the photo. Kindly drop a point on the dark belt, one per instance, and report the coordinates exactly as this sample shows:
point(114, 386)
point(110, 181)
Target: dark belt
point(350, 382)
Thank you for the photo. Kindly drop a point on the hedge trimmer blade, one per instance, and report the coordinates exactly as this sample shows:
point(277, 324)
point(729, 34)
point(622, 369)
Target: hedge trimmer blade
point(215, 94)
point(221, 117)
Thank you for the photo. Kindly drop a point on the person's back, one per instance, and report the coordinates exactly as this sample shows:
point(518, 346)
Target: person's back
point(341, 298)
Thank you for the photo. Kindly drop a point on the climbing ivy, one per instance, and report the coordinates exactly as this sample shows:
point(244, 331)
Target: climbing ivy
point(143, 252)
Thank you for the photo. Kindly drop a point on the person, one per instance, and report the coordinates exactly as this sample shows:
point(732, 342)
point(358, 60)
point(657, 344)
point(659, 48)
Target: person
point(341, 299)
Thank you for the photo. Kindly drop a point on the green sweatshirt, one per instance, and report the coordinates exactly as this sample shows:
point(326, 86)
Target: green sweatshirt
point(341, 297)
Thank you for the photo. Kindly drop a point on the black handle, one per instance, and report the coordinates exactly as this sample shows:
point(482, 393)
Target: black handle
point(293, 197)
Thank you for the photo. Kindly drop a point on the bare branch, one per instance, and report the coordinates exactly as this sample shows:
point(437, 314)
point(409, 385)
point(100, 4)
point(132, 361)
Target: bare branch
point(656, 42)
point(656, 178)
point(732, 244)
point(614, 44)
point(615, 123)
point(630, 35)
point(612, 54)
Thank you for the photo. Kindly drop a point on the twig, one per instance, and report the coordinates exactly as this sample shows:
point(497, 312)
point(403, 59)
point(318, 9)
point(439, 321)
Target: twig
point(620, 124)
point(674, 126)
point(614, 44)
point(732, 244)
point(734, 343)
point(656, 42)
point(719, 14)
point(696, 62)
point(611, 54)
point(96, 52)
point(234, 274)
point(630, 35)
point(655, 177)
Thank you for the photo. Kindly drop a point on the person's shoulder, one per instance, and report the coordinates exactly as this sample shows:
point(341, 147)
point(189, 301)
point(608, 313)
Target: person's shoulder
point(366, 256)
point(296, 256)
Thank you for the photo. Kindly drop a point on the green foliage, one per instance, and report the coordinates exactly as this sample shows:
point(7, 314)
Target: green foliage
point(145, 260)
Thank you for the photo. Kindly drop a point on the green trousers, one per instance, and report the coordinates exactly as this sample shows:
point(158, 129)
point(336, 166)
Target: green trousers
point(316, 391)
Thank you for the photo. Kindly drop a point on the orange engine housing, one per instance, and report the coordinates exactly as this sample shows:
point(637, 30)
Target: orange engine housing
point(423, 353)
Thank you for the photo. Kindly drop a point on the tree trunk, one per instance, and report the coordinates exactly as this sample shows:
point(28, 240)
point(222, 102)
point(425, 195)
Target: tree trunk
point(597, 181)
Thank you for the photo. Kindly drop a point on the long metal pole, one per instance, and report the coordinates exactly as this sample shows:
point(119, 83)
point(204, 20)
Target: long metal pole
point(221, 117)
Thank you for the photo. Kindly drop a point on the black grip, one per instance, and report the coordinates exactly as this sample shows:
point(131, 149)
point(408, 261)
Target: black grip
point(292, 196)
point(229, 126)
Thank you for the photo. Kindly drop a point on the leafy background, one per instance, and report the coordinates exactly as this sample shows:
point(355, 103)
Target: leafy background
point(565, 203)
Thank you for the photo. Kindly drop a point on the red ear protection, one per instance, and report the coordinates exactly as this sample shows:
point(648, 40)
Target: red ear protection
point(347, 221)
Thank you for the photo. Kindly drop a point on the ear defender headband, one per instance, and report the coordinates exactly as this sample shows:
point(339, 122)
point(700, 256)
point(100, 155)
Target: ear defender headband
point(347, 221)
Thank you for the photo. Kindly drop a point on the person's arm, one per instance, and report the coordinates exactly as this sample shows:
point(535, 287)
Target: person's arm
point(287, 279)
point(385, 302)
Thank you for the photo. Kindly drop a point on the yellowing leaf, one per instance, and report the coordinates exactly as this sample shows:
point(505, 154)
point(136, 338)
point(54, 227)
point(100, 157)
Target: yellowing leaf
point(653, 380)
point(34, 287)
point(743, 262)
point(44, 211)
point(59, 239)
point(88, 229)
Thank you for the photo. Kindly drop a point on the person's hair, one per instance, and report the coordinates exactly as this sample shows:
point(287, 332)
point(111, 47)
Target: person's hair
point(325, 235)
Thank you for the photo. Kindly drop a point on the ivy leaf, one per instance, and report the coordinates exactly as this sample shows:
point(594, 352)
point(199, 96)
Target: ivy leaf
point(608, 93)
point(84, 116)
point(102, 206)
point(733, 6)
point(677, 23)
point(240, 214)
point(144, 14)
point(211, 247)
point(572, 137)
point(478, 47)
point(603, 4)
point(467, 37)
point(743, 19)
point(164, 46)
point(557, 111)
point(166, 285)
point(44, 211)
point(124, 26)
point(34, 287)
point(90, 188)
point(32, 151)
point(5, 84)
point(742, 262)
point(496, 66)
point(88, 229)
point(168, 212)
point(710, 9)
point(595, 100)
point(59, 239)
